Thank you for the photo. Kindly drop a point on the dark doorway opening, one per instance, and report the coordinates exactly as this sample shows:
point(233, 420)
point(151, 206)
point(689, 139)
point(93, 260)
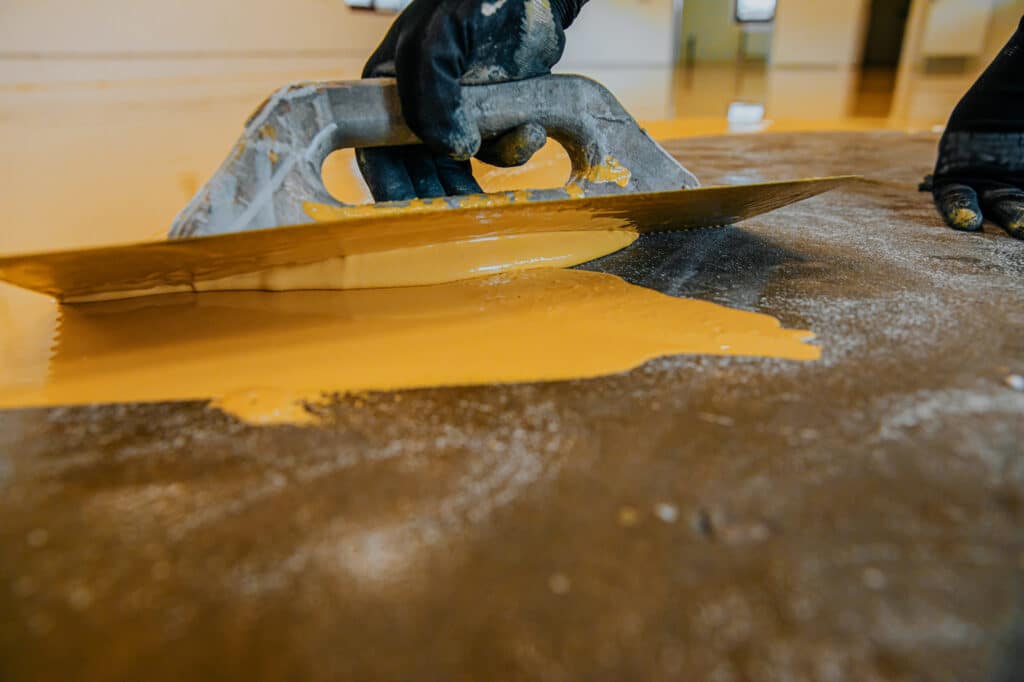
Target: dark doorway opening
point(884, 40)
point(883, 45)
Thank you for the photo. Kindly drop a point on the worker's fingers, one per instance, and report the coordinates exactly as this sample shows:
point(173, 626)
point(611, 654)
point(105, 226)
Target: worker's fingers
point(385, 173)
point(1005, 207)
point(515, 147)
point(426, 182)
point(959, 206)
point(456, 176)
point(429, 65)
point(404, 173)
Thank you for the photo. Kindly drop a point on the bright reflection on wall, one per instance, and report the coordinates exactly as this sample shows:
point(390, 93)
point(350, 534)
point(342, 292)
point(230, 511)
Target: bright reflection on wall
point(379, 5)
point(746, 117)
point(755, 10)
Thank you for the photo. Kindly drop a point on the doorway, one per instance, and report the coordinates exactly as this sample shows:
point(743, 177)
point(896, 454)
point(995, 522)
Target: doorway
point(884, 39)
point(883, 44)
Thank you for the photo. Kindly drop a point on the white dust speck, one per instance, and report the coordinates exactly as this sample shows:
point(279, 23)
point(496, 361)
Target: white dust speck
point(559, 583)
point(929, 410)
point(1014, 381)
point(37, 538)
point(80, 597)
point(380, 554)
point(719, 419)
point(666, 512)
point(873, 578)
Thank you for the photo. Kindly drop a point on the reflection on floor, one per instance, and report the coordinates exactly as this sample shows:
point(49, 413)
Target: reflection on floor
point(92, 161)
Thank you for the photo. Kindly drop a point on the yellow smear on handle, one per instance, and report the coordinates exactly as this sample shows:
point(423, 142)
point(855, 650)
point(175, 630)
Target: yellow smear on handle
point(574, 190)
point(327, 213)
point(610, 171)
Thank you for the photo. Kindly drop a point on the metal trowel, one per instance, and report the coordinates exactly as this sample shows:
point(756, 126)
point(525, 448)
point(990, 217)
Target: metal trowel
point(267, 207)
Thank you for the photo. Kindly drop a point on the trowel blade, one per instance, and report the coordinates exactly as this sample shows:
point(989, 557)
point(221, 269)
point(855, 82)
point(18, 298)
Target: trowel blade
point(160, 267)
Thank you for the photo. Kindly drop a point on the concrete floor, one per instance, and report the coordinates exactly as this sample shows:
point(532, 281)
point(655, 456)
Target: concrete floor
point(856, 518)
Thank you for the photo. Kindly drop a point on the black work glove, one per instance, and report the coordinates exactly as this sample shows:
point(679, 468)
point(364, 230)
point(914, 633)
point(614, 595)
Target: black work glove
point(979, 173)
point(434, 48)
point(979, 176)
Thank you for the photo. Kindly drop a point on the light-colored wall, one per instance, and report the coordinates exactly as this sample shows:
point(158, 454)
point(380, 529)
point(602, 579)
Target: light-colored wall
point(790, 90)
point(622, 32)
point(163, 26)
point(819, 32)
point(53, 41)
point(918, 92)
point(971, 28)
point(185, 26)
point(608, 31)
point(1006, 15)
point(956, 28)
point(711, 24)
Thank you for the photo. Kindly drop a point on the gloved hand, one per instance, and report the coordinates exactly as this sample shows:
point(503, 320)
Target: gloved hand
point(979, 176)
point(980, 168)
point(434, 48)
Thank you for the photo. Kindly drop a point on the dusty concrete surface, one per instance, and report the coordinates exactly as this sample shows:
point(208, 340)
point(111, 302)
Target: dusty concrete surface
point(857, 518)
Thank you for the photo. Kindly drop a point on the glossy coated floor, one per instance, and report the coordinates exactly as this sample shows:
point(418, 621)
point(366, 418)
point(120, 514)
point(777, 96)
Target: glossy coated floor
point(100, 152)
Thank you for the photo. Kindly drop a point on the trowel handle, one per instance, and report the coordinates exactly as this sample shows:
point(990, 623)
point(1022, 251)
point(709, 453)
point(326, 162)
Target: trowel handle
point(581, 114)
point(275, 166)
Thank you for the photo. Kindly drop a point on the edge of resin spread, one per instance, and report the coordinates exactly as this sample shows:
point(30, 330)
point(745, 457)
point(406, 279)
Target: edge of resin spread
point(545, 324)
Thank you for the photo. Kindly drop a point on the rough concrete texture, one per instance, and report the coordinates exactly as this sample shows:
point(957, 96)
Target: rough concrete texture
point(857, 518)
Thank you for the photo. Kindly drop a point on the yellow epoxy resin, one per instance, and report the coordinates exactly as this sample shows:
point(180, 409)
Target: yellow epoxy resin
point(433, 263)
point(260, 355)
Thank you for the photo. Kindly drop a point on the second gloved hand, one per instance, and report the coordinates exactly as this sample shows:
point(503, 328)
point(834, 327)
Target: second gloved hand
point(979, 176)
point(433, 49)
point(979, 172)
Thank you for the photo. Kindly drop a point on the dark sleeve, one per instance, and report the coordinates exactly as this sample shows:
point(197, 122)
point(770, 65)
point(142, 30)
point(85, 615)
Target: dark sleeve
point(566, 10)
point(995, 103)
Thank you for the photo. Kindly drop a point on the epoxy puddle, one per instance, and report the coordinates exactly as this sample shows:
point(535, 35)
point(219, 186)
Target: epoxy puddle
point(261, 356)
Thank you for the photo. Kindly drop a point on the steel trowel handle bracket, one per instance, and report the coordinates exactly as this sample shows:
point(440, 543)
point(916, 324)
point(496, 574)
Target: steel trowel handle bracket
point(274, 168)
point(610, 153)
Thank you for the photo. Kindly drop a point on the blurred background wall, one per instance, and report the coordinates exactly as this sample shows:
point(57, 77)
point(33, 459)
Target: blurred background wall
point(610, 32)
point(710, 34)
point(148, 95)
point(187, 26)
point(820, 32)
point(637, 32)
